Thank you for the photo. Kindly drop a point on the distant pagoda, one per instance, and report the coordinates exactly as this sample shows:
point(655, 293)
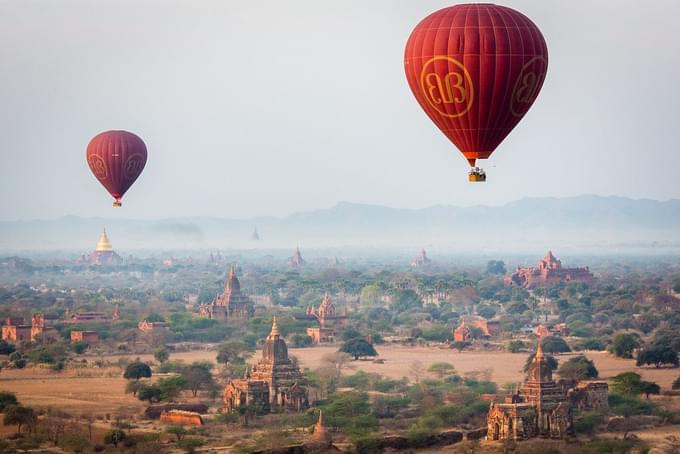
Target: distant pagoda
point(255, 236)
point(104, 253)
point(231, 304)
point(422, 260)
point(296, 260)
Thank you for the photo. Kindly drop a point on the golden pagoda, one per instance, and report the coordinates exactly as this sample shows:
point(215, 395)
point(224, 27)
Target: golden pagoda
point(104, 245)
point(103, 253)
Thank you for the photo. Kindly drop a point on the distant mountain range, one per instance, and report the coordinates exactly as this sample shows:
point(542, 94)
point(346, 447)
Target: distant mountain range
point(532, 224)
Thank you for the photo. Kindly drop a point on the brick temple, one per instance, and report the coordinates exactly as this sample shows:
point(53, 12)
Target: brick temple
point(273, 383)
point(231, 304)
point(329, 320)
point(542, 408)
point(549, 271)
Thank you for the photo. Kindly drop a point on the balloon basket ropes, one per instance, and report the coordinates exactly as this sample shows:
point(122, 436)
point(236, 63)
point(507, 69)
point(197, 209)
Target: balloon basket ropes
point(476, 175)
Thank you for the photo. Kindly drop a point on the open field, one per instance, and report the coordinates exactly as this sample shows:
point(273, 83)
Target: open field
point(72, 392)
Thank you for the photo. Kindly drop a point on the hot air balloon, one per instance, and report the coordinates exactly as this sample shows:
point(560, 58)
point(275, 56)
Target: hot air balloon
point(476, 69)
point(116, 158)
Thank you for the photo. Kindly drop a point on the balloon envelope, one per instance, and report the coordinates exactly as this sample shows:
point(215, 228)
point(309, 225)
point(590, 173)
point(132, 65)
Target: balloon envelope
point(476, 69)
point(116, 158)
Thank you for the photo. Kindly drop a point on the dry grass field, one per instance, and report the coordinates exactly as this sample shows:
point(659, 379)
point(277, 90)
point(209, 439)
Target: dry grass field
point(104, 391)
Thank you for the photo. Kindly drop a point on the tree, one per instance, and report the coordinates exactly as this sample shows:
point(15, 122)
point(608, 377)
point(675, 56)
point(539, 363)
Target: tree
point(301, 341)
point(487, 312)
point(554, 344)
point(649, 387)
point(113, 437)
point(198, 376)
point(623, 345)
point(416, 370)
point(177, 431)
point(578, 368)
point(171, 387)
point(133, 387)
point(17, 415)
point(404, 300)
point(6, 348)
point(627, 383)
point(657, 355)
point(515, 346)
point(161, 355)
point(350, 333)
point(495, 267)
point(231, 351)
point(442, 369)
point(6, 399)
point(79, 347)
point(358, 348)
point(460, 345)
point(152, 393)
point(137, 370)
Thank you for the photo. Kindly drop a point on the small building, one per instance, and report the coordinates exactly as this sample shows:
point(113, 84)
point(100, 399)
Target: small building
point(549, 271)
point(89, 337)
point(152, 327)
point(17, 333)
point(181, 418)
point(321, 335)
point(231, 304)
point(15, 330)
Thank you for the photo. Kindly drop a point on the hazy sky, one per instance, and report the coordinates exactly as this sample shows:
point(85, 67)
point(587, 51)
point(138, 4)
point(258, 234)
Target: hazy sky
point(270, 107)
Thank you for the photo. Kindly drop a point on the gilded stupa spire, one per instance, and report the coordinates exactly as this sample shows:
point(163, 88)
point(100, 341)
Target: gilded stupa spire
point(104, 245)
point(275, 329)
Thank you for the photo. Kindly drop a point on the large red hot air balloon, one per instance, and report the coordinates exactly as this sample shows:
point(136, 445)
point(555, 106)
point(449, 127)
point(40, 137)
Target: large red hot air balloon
point(116, 159)
point(476, 69)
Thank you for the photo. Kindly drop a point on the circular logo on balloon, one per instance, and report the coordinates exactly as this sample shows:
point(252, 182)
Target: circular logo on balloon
point(133, 166)
point(98, 166)
point(447, 86)
point(527, 85)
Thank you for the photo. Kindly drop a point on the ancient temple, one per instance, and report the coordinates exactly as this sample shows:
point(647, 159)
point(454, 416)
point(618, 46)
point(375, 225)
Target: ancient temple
point(255, 236)
point(329, 320)
point(103, 253)
point(537, 408)
point(422, 260)
point(488, 328)
point(231, 304)
point(549, 271)
point(296, 260)
point(274, 383)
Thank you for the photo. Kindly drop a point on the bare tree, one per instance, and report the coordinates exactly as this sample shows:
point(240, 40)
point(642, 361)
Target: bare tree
point(417, 370)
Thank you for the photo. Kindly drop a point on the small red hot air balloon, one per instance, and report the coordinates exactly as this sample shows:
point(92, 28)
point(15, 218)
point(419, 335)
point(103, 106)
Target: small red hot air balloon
point(116, 158)
point(476, 69)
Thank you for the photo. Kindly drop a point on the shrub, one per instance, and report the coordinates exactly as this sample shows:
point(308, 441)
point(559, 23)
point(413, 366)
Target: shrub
point(6, 399)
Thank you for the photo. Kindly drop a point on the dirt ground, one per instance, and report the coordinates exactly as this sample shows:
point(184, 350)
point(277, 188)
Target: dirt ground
point(99, 395)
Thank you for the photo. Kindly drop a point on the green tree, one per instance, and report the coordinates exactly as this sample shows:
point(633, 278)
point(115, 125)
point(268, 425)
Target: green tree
point(79, 347)
point(578, 368)
point(161, 355)
point(515, 346)
point(495, 267)
point(649, 387)
point(18, 415)
point(231, 351)
point(623, 345)
point(370, 296)
point(657, 355)
point(6, 348)
point(170, 388)
point(301, 341)
point(137, 370)
point(554, 344)
point(198, 376)
point(113, 437)
point(178, 431)
point(460, 345)
point(152, 393)
point(350, 333)
point(627, 384)
point(442, 369)
point(358, 348)
point(403, 300)
point(6, 399)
